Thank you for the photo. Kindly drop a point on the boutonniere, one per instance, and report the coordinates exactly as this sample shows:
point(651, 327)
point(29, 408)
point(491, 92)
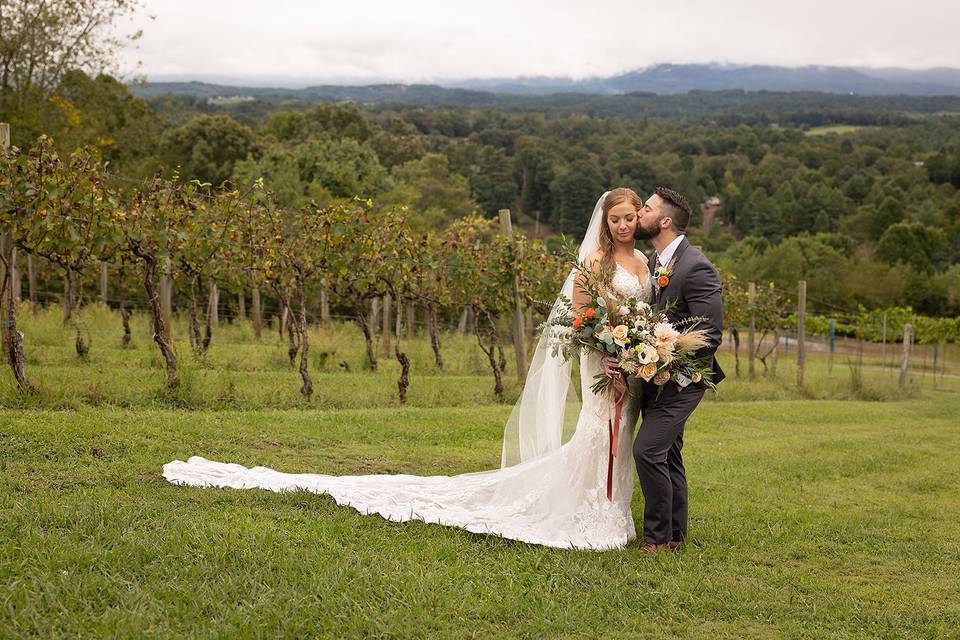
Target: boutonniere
point(662, 275)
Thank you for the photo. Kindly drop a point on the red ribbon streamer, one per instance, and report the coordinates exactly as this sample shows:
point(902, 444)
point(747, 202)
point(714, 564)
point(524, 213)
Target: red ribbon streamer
point(613, 428)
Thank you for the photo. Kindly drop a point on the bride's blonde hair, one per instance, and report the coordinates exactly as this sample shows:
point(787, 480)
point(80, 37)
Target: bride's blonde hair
point(612, 199)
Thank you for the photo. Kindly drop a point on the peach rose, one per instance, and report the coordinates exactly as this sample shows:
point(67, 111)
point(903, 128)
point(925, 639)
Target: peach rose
point(620, 332)
point(647, 371)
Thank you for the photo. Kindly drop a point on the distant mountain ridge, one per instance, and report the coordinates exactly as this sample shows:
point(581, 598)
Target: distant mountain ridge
point(661, 79)
point(682, 78)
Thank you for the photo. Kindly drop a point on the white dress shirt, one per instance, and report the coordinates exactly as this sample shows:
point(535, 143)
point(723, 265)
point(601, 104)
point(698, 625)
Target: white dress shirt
point(664, 258)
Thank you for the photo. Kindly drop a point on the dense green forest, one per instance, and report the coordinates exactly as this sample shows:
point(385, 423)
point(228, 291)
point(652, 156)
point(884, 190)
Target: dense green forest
point(868, 212)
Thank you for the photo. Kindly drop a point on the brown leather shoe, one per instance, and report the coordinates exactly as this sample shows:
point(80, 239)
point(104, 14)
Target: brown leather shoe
point(676, 544)
point(651, 548)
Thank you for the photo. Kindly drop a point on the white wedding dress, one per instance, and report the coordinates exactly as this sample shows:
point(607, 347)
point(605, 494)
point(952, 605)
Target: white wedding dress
point(556, 495)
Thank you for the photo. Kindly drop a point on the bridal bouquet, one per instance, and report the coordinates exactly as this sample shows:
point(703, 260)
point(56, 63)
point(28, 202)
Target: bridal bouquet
point(641, 337)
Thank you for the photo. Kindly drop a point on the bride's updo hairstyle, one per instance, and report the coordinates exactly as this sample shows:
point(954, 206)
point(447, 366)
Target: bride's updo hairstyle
point(614, 197)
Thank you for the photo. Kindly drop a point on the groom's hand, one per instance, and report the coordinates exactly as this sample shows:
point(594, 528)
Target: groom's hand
point(610, 366)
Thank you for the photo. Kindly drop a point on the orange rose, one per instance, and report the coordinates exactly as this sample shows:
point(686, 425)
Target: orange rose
point(590, 313)
point(647, 371)
point(663, 281)
point(620, 332)
point(577, 322)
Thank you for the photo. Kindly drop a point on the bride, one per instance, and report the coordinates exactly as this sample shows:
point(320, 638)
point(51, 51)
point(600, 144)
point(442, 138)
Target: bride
point(545, 492)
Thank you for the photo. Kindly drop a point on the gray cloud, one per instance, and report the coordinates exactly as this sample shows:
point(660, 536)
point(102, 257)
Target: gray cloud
point(424, 40)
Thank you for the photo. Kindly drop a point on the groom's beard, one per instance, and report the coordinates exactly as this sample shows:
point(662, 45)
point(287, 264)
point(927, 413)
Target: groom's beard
point(642, 233)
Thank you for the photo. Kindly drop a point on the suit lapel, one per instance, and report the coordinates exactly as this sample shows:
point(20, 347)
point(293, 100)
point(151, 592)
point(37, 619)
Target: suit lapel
point(653, 264)
point(679, 252)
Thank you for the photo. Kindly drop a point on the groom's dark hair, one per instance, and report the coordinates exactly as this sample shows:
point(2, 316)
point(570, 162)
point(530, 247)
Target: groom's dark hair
point(675, 207)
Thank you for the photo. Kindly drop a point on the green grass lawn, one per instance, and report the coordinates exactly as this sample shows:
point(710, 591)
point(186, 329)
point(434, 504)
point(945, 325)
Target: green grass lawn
point(827, 518)
point(809, 519)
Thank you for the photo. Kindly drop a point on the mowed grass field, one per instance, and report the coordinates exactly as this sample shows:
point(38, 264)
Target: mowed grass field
point(814, 514)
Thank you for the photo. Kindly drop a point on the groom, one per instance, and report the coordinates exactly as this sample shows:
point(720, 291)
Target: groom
point(687, 282)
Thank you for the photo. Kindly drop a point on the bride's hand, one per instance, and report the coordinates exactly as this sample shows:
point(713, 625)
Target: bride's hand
point(610, 366)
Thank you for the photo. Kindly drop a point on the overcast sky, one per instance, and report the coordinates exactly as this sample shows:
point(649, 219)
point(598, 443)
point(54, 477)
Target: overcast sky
point(426, 40)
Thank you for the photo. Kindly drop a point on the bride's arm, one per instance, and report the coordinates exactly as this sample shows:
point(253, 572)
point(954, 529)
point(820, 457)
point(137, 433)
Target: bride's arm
point(581, 300)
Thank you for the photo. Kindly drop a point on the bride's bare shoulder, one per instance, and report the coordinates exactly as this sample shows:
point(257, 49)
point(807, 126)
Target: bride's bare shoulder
point(594, 260)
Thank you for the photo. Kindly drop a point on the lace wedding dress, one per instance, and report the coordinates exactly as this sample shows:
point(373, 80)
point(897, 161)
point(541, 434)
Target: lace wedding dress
point(547, 492)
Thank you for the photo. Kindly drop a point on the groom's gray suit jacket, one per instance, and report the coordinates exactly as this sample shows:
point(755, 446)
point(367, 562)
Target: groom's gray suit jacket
point(694, 291)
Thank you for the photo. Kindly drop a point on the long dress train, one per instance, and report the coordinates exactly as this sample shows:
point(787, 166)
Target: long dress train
point(558, 500)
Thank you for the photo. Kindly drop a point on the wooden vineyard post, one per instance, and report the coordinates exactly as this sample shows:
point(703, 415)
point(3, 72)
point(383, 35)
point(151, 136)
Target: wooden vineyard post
point(883, 342)
point(7, 237)
point(411, 320)
point(104, 282)
point(519, 334)
point(15, 275)
point(801, 330)
point(214, 305)
point(375, 307)
point(166, 302)
point(32, 284)
point(387, 329)
point(776, 350)
point(324, 308)
point(257, 312)
point(905, 358)
point(12, 337)
point(751, 333)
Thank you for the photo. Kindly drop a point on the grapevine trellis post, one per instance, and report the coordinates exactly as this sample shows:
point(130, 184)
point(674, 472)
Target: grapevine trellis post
point(32, 284)
point(6, 237)
point(519, 334)
point(905, 359)
point(801, 330)
point(324, 308)
point(104, 283)
point(387, 329)
point(775, 352)
point(832, 344)
point(375, 315)
point(213, 305)
point(166, 300)
point(12, 338)
point(883, 342)
point(751, 333)
point(257, 312)
point(15, 274)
